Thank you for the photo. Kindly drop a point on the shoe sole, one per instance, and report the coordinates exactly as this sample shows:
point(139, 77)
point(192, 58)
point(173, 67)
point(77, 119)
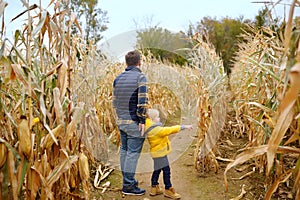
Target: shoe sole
point(133, 194)
point(172, 197)
point(151, 194)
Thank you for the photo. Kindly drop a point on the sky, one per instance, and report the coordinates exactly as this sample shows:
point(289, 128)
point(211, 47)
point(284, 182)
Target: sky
point(170, 14)
point(175, 15)
point(126, 16)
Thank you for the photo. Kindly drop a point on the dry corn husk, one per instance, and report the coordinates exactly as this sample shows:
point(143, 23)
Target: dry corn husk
point(57, 106)
point(24, 138)
point(47, 140)
point(3, 154)
point(62, 79)
point(84, 174)
point(105, 186)
point(33, 180)
point(73, 176)
point(101, 175)
point(83, 167)
point(72, 181)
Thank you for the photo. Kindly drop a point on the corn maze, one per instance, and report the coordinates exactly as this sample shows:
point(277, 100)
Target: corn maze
point(57, 118)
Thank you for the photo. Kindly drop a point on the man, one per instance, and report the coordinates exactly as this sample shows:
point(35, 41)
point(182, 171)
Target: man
point(130, 99)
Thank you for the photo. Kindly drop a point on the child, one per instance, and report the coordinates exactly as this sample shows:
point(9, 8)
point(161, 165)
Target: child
point(159, 148)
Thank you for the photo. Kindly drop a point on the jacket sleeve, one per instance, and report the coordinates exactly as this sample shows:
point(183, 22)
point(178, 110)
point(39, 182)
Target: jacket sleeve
point(165, 131)
point(142, 99)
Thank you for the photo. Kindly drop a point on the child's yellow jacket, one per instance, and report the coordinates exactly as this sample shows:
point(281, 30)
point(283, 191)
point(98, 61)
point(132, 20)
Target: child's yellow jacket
point(158, 138)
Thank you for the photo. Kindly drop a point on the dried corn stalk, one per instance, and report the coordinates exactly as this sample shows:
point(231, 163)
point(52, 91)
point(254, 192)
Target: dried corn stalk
point(262, 80)
point(212, 103)
point(40, 86)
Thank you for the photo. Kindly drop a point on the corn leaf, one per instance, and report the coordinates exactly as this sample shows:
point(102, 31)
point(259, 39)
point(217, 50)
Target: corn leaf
point(252, 60)
point(2, 48)
point(286, 113)
point(23, 173)
point(11, 174)
point(44, 111)
point(288, 29)
point(34, 6)
point(3, 4)
point(8, 114)
point(19, 54)
point(41, 23)
point(11, 148)
point(264, 108)
point(60, 169)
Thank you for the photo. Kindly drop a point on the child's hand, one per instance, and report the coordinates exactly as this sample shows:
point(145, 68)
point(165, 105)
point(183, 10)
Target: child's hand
point(142, 129)
point(189, 127)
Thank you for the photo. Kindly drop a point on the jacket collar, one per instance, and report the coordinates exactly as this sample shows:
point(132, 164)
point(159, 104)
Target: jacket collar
point(150, 123)
point(133, 68)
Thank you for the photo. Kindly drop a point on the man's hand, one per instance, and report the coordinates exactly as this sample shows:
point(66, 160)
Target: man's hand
point(142, 129)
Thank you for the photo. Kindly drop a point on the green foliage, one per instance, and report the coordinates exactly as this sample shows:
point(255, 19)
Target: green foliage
point(163, 44)
point(264, 19)
point(93, 19)
point(261, 19)
point(223, 35)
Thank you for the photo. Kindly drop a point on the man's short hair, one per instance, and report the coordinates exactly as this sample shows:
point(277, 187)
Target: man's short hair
point(132, 58)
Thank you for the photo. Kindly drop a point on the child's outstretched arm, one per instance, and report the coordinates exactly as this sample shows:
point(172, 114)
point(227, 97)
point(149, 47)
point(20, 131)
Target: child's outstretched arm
point(165, 131)
point(168, 130)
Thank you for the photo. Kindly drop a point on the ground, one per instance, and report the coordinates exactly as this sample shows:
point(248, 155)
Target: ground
point(193, 185)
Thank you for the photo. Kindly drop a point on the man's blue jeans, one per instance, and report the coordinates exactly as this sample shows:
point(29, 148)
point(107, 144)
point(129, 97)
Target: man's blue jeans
point(131, 147)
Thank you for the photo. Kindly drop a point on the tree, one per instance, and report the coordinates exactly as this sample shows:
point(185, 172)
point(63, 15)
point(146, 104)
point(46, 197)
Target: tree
point(163, 44)
point(223, 35)
point(261, 18)
point(93, 19)
point(265, 19)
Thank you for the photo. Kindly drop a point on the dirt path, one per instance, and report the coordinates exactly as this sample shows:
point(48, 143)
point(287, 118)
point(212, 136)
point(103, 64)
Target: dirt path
point(186, 180)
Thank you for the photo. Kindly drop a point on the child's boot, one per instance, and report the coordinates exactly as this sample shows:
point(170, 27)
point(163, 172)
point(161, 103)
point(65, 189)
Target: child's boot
point(171, 193)
point(155, 190)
